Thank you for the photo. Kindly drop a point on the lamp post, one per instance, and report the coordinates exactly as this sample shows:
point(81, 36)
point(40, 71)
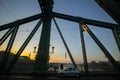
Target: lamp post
point(53, 48)
point(35, 49)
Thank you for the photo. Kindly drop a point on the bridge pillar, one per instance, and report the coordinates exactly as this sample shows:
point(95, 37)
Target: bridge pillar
point(42, 57)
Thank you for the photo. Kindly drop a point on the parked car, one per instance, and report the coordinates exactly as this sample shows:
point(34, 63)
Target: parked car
point(69, 72)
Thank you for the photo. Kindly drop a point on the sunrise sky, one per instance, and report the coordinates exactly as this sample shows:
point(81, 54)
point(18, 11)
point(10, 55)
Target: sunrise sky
point(11, 10)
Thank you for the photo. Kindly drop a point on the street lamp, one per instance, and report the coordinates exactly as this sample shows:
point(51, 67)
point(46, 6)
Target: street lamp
point(35, 49)
point(53, 48)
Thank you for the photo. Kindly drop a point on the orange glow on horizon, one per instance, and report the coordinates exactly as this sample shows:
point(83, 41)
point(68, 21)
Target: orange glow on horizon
point(25, 53)
point(51, 60)
point(58, 59)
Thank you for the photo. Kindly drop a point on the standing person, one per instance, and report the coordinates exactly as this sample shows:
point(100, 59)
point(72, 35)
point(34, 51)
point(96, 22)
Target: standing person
point(61, 67)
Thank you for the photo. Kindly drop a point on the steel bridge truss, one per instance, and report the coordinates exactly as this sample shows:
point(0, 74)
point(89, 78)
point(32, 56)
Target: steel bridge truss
point(42, 57)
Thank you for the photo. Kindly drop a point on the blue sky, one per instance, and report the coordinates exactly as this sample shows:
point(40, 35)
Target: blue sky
point(12, 10)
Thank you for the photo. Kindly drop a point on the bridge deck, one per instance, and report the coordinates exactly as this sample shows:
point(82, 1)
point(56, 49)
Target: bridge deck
point(54, 76)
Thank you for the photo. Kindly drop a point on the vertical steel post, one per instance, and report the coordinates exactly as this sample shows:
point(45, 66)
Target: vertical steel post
point(101, 46)
point(42, 57)
point(8, 49)
point(65, 44)
point(83, 48)
point(116, 33)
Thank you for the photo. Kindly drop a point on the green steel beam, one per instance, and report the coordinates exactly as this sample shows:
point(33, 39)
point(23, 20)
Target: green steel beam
point(101, 46)
point(83, 49)
point(20, 22)
point(62, 16)
point(15, 58)
point(5, 36)
point(70, 55)
point(46, 5)
point(8, 49)
point(43, 50)
point(42, 57)
point(116, 33)
point(87, 21)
